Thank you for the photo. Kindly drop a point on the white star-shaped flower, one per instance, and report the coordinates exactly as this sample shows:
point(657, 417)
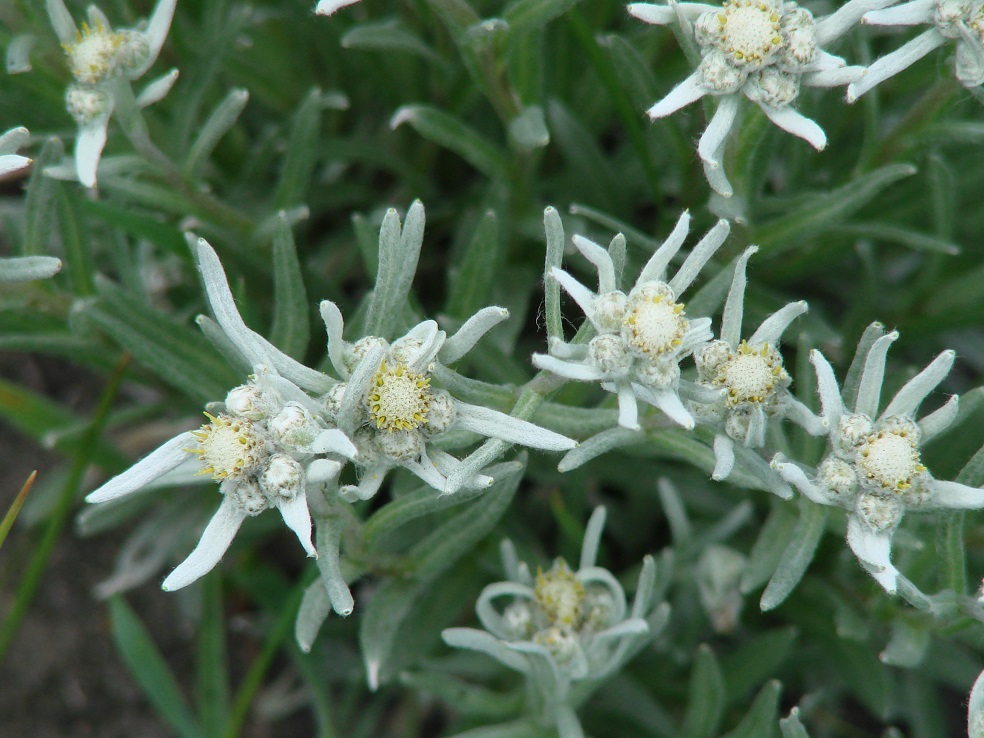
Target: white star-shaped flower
point(742, 384)
point(763, 50)
point(264, 445)
point(388, 406)
point(959, 20)
point(641, 336)
point(566, 631)
point(872, 467)
point(100, 60)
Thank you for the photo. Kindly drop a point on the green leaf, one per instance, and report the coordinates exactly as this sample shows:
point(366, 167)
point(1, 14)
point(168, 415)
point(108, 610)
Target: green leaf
point(755, 660)
point(387, 35)
point(705, 706)
point(761, 719)
point(300, 159)
point(149, 669)
point(528, 130)
point(467, 699)
point(75, 240)
point(589, 165)
point(907, 646)
point(453, 134)
point(210, 658)
point(797, 556)
point(394, 601)
point(398, 255)
point(523, 15)
point(217, 125)
point(791, 726)
point(469, 285)
point(291, 329)
point(147, 226)
point(173, 351)
point(40, 201)
point(43, 419)
point(826, 210)
point(767, 551)
point(886, 232)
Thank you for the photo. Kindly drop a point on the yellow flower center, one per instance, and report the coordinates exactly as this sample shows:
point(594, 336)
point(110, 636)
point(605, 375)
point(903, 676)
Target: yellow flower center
point(560, 594)
point(399, 398)
point(229, 447)
point(750, 375)
point(93, 56)
point(654, 324)
point(890, 458)
point(749, 31)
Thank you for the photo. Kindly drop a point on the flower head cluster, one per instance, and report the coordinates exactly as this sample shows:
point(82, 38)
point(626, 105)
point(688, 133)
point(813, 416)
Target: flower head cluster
point(742, 383)
point(961, 21)
point(100, 60)
point(641, 336)
point(264, 445)
point(566, 631)
point(763, 50)
point(389, 407)
point(873, 467)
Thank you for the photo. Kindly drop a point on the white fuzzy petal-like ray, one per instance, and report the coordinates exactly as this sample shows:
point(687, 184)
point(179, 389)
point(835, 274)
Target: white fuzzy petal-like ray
point(874, 550)
point(776, 324)
point(688, 91)
point(601, 260)
point(799, 125)
point(699, 256)
point(297, 517)
point(471, 332)
point(493, 424)
point(215, 541)
point(914, 391)
point(158, 463)
point(655, 269)
point(869, 388)
point(89, 145)
point(734, 305)
point(893, 63)
point(712, 140)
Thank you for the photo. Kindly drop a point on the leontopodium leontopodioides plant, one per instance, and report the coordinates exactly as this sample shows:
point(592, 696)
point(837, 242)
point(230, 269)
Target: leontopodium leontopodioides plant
point(641, 337)
point(742, 384)
point(961, 21)
point(566, 631)
point(103, 62)
point(762, 50)
point(873, 466)
point(266, 444)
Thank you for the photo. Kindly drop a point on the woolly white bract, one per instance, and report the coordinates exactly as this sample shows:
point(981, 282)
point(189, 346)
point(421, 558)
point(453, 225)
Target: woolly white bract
point(763, 50)
point(957, 20)
point(641, 336)
point(872, 467)
point(103, 62)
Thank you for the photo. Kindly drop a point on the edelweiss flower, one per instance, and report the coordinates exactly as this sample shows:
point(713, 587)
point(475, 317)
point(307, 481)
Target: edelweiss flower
point(389, 408)
point(873, 467)
point(566, 631)
point(959, 20)
point(100, 59)
point(642, 336)
point(764, 50)
point(742, 384)
point(260, 445)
